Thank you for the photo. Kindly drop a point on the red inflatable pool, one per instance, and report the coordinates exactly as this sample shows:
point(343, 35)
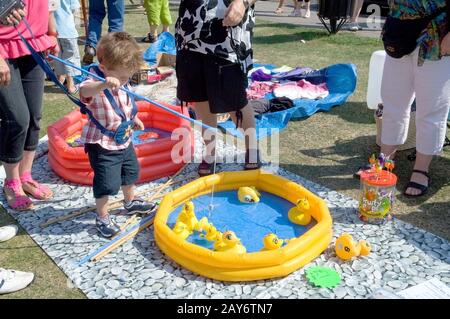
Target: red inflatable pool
point(153, 146)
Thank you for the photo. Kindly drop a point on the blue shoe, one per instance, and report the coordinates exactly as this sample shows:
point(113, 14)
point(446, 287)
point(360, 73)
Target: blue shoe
point(107, 227)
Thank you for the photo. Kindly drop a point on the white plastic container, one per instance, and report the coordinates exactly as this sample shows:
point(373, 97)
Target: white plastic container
point(375, 76)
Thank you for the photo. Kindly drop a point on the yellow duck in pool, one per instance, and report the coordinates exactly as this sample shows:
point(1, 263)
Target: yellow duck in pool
point(272, 242)
point(300, 213)
point(248, 194)
point(212, 234)
point(181, 230)
point(230, 243)
point(346, 248)
point(187, 216)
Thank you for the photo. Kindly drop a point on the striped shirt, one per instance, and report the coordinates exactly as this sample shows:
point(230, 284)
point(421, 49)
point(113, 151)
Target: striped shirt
point(105, 114)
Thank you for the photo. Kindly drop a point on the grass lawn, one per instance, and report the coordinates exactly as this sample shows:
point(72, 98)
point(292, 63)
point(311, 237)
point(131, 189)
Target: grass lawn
point(325, 148)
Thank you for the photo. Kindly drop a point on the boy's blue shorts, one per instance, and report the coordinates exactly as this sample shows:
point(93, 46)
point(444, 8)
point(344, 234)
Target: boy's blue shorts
point(112, 169)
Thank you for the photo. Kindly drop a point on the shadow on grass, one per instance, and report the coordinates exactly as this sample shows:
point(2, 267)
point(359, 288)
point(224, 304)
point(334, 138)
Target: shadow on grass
point(354, 112)
point(286, 38)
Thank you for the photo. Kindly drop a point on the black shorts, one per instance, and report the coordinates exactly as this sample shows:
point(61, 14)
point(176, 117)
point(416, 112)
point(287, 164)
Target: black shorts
point(112, 169)
point(204, 77)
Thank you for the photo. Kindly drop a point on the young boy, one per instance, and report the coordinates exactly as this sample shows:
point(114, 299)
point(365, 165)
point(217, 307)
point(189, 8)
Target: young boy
point(68, 43)
point(113, 159)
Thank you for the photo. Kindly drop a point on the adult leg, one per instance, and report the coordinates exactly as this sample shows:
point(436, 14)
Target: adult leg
point(209, 136)
point(15, 119)
point(116, 14)
point(397, 90)
point(97, 13)
point(33, 87)
point(432, 86)
point(353, 24)
point(280, 7)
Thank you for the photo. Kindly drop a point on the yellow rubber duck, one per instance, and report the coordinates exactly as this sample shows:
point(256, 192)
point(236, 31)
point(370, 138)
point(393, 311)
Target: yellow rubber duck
point(212, 234)
point(248, 194)
point(272, 242)
point(181, 230)
point(229, 242)
point(300, 213)
point(187, 216)
point(346, 248)
point(202, 224)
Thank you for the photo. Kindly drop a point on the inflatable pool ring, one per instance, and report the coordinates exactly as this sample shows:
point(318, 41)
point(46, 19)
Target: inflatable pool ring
point(154, 157)
point(255, 265)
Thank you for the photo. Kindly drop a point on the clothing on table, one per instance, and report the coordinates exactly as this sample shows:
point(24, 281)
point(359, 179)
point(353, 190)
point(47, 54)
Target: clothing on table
point(430, 39)
point(21, 109)
point(68, 50)
point(262, 106)
point(65, 19)
point(199, 28)
point(261, 75)
point(302, 90)
point(293, 75)
point(158, 12)
point(97, 12)
point(257, 90)
point(104, 113)
point(403, 79)
point(282, 69)
point(37, 13)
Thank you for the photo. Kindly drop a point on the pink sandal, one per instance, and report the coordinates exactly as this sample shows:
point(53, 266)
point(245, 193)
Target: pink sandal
point(34, 189)
point(15, 199)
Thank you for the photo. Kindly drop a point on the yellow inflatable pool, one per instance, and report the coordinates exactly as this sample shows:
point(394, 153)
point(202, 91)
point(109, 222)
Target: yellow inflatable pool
point(228, 266)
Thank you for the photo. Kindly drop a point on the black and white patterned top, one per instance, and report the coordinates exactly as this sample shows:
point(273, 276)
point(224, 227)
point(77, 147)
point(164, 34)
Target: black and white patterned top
point(199, 28)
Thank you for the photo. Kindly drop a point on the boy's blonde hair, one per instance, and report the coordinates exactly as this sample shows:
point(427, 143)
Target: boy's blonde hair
point(119, 49)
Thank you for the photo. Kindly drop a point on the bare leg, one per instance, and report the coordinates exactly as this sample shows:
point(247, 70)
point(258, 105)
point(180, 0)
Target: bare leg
point(128, 193)
point(165, 28)
point(12, 170)
point(248, 127)
point(422, 164)
point(70, 84)
point(357, 11)
point(101, 204)
point(202, 109)
point(154, 31)
point(27, 162)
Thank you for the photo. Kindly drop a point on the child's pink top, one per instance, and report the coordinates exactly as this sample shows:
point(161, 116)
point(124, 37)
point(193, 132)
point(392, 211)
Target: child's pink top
point(37, 13)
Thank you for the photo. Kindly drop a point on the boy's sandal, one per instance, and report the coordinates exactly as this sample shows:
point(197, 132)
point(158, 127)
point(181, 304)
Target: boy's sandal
point(279, 10)
point(15, 199)
point(205, 168)
point(423, 189)
point(252, 165)
point(34, 189)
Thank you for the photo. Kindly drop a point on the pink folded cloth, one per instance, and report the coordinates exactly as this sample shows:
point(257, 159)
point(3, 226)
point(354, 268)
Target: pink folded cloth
point(301, 90)
point(257, 90)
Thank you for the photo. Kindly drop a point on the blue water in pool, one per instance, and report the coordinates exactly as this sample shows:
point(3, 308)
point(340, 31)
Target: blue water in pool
point(250, 222)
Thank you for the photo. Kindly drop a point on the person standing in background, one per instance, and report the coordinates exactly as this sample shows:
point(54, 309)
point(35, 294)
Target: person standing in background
point(97, 12)
point(68, 43)
point(158, 13)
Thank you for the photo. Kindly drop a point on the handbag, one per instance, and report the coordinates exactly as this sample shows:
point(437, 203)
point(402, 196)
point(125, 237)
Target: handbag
point(400, 36)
